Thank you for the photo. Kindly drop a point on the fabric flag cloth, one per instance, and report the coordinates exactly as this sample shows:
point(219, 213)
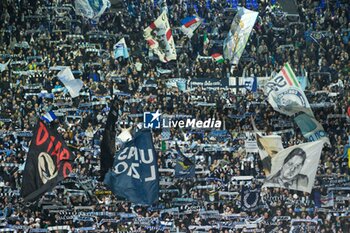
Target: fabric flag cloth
point(303, 82)
point(295, 167)
point(239, 33)
point(251, 83)
point(134, 175)
point(49, 161)
point(73, 85)
point(185, 167)
point(190, 24)
point(310, 128)
point(328, 200)
point(218, 57)
point(91, 9)
point(3, 67)
point(108, 140)
point(121, 49)
point(250, 199)
point(268, 146)
point(49, 117)
point(286, 96)
point(160, 39)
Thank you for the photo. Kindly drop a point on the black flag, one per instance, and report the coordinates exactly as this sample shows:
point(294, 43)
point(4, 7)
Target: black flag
point(108, 139)
point(48, 162)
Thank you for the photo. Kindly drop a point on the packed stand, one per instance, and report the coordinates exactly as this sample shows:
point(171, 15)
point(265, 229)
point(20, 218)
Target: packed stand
point(39, 35)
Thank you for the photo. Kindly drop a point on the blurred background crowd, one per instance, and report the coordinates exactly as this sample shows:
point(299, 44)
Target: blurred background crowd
point(37, 35)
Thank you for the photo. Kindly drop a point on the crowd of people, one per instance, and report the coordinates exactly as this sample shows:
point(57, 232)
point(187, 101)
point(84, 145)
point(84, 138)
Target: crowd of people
point(36, 36)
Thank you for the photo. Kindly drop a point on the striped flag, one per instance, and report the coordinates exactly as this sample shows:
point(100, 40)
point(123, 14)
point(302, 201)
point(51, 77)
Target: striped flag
point(190, 24)
point(218, 57)
point(49, 117)
point(289, 76)
point(286, 96)
point(160, 39)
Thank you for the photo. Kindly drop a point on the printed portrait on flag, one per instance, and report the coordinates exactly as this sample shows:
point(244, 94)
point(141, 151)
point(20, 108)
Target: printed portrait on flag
point(289, 175)
point(295, 167)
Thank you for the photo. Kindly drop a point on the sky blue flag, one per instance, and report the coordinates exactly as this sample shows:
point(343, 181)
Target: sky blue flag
point(134, 174)
point(120, 49)
point(303, 82)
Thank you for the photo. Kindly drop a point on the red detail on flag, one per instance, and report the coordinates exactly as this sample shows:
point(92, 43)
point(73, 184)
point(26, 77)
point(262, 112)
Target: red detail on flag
point(189, 23)
point(150, 42)
point(168, 34)
point(152, 26)
point(286, 77)
point(216, 55)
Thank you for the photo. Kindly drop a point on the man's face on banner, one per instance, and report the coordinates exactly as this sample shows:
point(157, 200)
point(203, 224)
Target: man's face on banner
point(292, 167)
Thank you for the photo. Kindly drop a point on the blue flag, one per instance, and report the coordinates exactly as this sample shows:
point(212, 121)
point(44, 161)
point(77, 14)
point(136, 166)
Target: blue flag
point(185, 167)
point(251, 83)
point(49, 117)
point(134, 174)
point(250, 199)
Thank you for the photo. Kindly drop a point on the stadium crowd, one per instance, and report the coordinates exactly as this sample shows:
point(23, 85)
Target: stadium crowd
point(38, 35)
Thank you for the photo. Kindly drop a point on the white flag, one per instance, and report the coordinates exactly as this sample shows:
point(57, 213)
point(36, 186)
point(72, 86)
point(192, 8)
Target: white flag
point(295, 167)
point(159, 38)
point(238, 36)
point(73, 85)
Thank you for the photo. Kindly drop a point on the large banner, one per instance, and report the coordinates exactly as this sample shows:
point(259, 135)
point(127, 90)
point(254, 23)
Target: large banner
point(134, 174)
point(160, 39)
point(49, 161)
point(238, 35)
point(286, 96)
point(295, 167)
